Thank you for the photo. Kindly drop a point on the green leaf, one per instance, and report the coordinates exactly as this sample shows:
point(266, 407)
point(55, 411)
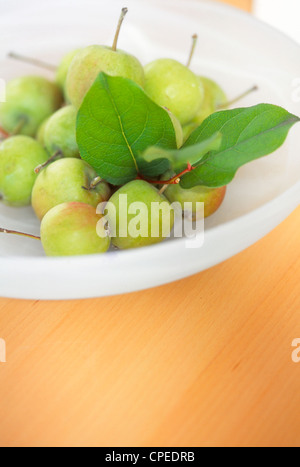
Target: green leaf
point(179, 158)
point(247, 134)
point(116, 122)
point(154, 168)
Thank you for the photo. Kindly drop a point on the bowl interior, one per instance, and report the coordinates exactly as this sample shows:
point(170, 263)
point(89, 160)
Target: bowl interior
point(233, 48)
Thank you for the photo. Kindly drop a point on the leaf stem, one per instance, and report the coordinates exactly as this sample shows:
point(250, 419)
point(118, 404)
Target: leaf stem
point(32, 61)
point(124, 12)
point(22, 234)
point(173, 181)
point(193, 48)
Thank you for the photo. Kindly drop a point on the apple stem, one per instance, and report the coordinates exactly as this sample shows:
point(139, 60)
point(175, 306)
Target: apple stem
point(123, 14)
point(173, 181)
point(22, 234)
point(19, 127)
point(94, 183)
point(16, 131)
point(40, 167)
point(32, 61)
point(4, 134)
point(163, 189)
point(238, 98)
point(193, 48)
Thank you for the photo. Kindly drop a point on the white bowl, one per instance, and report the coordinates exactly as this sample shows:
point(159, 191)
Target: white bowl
point(235, 49)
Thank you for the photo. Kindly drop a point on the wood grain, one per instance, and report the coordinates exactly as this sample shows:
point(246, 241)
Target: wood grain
point(205, 361)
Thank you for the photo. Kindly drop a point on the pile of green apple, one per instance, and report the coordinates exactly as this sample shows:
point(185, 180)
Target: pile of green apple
point(40, 162)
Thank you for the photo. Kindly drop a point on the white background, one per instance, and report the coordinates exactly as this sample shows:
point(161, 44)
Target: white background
point(283, 14)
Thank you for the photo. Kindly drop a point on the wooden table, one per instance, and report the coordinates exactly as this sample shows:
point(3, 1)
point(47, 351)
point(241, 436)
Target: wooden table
point(206, 361)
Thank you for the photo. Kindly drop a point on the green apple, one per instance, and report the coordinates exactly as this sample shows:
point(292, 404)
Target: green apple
point(29, 101)
point(178, 129)
point(214, 96)
point(40, 135)
point(64, 181)
point(89, 62)
point(137, 225)
point(211, 197)
point(62, 71)
point(60, 133)
point(214, 99)
point(19, 155)
point(188, 129)
point(72, 229)
point(172, 85)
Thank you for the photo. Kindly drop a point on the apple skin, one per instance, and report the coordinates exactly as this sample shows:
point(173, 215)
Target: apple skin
point(140, 191)
point(19, 155)
point(32, 99)
point(211, 197)
point(172, 85)
point(40, 135)
point(62, 71)
point(89, 62)
point(70, 229)
point(62, 182)
point(214, 98)
point(60, 132)
point(178, 129)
